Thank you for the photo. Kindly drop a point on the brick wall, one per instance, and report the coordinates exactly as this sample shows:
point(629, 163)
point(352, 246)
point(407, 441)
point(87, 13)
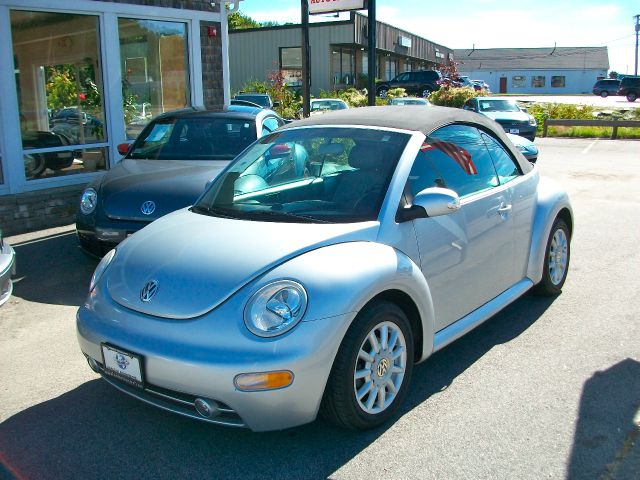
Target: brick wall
point(31, 211)
point(211, 65)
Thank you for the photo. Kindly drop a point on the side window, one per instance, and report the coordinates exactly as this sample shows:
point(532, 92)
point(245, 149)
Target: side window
point(269, 125)
point(403, 78)
point(423, 174)
point(506, 167)
point(461, 156)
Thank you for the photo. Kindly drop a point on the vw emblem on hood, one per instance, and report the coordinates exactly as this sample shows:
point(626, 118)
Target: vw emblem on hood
point(149, 290)
point(148, 207)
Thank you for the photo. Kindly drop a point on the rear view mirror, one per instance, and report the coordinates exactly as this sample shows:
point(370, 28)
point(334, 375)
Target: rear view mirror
point(431, 202)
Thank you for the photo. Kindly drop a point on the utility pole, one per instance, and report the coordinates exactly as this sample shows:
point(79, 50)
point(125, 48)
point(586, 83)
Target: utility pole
point(371, 32)
point(306, 80)
point(637, 17)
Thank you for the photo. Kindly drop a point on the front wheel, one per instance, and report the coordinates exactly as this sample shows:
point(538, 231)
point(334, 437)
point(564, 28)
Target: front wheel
point(556, 260)
point(383, 92)
point(632, 97)
point(604, 94)
point(372, 369)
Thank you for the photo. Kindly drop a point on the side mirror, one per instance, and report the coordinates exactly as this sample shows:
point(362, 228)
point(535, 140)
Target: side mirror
point(123, 148)
point(276, 104)
point(431, 202)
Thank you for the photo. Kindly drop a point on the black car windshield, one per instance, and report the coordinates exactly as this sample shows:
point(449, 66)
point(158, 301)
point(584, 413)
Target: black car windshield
point(317, 174)
point(262, 100)
point(194, 138)
point(497, 106)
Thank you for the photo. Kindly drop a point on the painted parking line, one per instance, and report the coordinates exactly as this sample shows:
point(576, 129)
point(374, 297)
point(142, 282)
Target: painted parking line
point(586, 150)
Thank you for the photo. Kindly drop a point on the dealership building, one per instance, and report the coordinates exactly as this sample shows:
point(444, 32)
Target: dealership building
point(338, 53)
point(559, 71)
point(80, 77)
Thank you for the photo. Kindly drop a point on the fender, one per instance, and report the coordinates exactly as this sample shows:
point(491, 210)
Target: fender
point(552, 200)
point(342, 278)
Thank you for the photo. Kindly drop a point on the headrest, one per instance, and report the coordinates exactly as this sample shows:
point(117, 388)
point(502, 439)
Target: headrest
point(367, 156)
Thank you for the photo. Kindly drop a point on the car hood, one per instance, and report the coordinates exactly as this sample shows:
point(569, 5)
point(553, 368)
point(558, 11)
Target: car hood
point(200, 261)
point(170, 184)
point(517, 116)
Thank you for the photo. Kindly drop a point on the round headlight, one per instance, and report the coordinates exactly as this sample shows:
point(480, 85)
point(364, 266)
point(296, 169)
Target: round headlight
point(102, 266)
point(88, 201)
point(275, 308)
point(532, 121)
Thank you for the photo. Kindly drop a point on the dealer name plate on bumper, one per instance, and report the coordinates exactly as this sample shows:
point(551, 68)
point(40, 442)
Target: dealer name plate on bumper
point(125, 366)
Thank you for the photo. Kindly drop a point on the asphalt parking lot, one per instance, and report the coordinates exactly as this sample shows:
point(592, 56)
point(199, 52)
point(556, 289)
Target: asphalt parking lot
point(549, 388)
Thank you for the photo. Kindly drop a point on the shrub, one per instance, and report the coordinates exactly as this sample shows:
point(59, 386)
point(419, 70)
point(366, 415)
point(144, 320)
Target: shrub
point(454, 96)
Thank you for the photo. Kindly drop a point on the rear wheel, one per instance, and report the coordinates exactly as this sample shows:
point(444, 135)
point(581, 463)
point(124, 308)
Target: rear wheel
point(604, 94)
point(372, 369)
point(383, 92)
point(632, 96)
point(556, 260)
point(426, 92)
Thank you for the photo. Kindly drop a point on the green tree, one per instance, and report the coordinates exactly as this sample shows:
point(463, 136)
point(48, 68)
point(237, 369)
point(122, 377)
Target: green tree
point(239, 21)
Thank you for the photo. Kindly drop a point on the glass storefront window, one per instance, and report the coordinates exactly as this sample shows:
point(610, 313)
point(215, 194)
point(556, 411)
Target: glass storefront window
point(342, 66)
point(558, 81)
point(537, 81)
point(291, 66)
point(59, 90)
point(155, 66)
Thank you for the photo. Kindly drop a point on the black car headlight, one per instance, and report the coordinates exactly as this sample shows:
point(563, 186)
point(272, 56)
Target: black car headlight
point(88, 200)
point(275, 308)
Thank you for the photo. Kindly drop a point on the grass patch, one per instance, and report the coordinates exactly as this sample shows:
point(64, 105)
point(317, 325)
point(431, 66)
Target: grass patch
point(593, 132)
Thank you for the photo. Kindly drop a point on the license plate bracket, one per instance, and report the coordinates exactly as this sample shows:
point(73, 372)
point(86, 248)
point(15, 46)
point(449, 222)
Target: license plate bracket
point(123, 365)
point(514, 130)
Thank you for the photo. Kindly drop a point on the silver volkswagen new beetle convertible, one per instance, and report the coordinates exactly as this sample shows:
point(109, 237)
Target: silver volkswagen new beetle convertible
point(321, 265)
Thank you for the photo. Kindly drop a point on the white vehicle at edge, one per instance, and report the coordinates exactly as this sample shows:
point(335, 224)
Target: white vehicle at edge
point(321, 265)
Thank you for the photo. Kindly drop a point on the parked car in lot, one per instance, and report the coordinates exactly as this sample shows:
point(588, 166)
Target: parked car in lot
point(318, 106)
point(606, 87)
point(285, 292)
point(7, 269)
point(526, 147)
point(262, 99)
point(165, 169)
point(482, 84)
point(630, 88)
point(507, 113)
point(420, 83)
point(35, 164)
point(76, 125)
point(400, 101)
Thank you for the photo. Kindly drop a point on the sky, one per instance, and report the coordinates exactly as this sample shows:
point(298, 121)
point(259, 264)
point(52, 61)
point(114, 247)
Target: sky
point(496, 23)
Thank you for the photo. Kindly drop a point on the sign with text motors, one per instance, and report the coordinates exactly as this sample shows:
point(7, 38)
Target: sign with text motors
point(332, 6)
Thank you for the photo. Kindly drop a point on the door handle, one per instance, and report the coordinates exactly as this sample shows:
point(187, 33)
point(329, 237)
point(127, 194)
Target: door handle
point(504, 208)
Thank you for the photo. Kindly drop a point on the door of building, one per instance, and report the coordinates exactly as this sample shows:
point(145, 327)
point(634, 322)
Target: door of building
point(503, 84)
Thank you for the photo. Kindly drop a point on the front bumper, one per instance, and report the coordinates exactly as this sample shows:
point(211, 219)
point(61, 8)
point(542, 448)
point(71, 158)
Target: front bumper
point(187, 359)
point(7, 270)
point(526, 131)
point(98, 236)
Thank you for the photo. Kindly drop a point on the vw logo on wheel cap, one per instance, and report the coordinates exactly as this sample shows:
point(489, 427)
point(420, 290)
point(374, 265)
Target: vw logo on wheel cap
point(149, 290)
point(148, 207)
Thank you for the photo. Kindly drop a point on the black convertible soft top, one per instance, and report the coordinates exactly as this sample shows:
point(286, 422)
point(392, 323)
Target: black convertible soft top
point(425, 119)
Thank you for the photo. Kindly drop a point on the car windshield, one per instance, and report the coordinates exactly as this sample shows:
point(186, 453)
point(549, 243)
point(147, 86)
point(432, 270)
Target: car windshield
point(498, 106)
point(327, 105)
point(409, 101)
point(194, 138)
point(262, 100)
point(317, 174)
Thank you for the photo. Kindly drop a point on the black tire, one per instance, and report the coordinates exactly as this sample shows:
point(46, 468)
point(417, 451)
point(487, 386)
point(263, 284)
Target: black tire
point(426, 91)
point(38, 165)
point(339, 404)
point(552, 281)
point(632, 97)
point(604, 94)
point(382, 92)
